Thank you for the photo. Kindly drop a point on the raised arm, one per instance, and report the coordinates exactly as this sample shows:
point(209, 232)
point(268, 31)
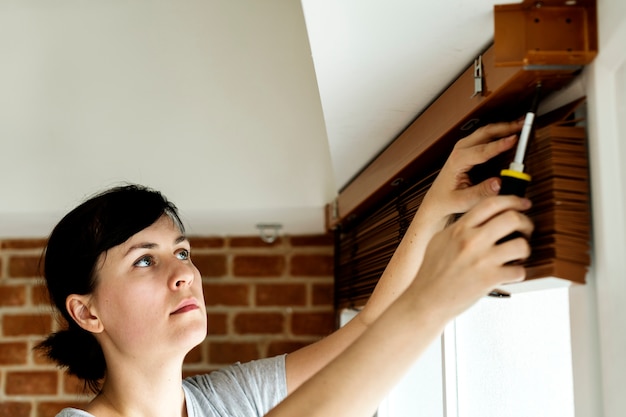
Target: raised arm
point(462, 263)
point(451, 192)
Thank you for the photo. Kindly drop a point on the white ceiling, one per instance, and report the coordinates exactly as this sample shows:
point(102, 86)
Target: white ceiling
point(241, 112)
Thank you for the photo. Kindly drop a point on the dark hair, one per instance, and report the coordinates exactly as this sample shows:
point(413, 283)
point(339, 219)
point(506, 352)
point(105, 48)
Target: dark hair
point(70, 260)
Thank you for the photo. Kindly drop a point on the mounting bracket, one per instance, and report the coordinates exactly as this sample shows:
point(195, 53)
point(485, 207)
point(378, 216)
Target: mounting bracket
point(545, 33)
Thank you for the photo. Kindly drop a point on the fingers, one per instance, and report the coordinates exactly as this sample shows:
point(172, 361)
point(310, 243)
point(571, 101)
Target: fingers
point(509, 256)
point(467, 261)
point(508, 222)
point(481, 146)
point(510, 274)
point(472, 195)
point(490, 207)
point(479, 153)
point(497, 218)
point(490, 132)
point(453, 190)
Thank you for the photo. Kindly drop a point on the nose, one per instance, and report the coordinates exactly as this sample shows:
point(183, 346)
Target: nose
point(182, 275)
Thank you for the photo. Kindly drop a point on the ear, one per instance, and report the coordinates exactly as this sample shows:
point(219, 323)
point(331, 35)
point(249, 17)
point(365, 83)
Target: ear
point(83, 314)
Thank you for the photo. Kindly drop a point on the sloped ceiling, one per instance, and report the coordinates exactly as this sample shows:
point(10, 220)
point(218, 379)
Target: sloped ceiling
point(241, 112)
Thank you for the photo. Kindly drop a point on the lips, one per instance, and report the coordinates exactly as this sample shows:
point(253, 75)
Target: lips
point(185, 306)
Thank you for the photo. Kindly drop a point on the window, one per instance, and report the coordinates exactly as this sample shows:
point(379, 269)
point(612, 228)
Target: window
point(502, 357)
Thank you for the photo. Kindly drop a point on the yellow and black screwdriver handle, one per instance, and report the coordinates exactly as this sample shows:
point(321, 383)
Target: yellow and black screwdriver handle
point(514, 182)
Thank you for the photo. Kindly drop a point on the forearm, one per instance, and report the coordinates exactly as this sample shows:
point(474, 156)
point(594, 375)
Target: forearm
point(358, 379)
point(404, 264)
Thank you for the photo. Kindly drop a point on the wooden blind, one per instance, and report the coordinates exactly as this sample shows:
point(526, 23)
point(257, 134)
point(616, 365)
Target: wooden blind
point(561, 242)
point(557, 161)
point(364, 248)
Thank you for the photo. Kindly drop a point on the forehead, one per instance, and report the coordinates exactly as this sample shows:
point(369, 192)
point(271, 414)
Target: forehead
point(165, 227)
point(164, 231)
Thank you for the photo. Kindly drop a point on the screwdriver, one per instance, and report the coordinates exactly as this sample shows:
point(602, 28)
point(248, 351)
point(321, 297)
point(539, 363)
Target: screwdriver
point(514, 180)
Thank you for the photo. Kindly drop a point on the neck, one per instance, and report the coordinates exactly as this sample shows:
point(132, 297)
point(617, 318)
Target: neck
point(130, 389)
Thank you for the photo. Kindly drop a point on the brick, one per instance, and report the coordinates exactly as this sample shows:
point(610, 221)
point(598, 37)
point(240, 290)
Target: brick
point(258, 265)
point(279, 347)
point(199, 242)
point(280, 295)
point(312, 240)
point(52, 408)
point(322, 294)
point(195, 355)
point(39, 358)
point(317, 324)
point(31, 383)
point(217, 323)
point(14, 409)
point(231, 352)
point(26, 324)
point(13, 353)
point(232, 337)
point(39, 295)
point(73, 385)
point(313, 265)
point(210, 265)
point(226, 294)
point(23, 243)
point(24, 267)
point(259, 323)
point(12, 295)
point(252, 242)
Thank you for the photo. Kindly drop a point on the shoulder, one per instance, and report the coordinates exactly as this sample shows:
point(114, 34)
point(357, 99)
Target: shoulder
point(256, 386)
point(262, 369)
point(73, 412)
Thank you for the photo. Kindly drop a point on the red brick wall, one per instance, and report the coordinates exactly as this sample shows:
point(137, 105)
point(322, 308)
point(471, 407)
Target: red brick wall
point(262, 300)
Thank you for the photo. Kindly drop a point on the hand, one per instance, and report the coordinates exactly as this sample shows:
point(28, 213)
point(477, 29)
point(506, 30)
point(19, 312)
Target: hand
point(452, 191)
point(463, 263)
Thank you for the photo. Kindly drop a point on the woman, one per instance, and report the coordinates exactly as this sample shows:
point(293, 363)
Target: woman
point(118, 269)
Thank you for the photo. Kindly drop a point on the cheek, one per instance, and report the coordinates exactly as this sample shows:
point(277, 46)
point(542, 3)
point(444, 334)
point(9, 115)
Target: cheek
point(130, 310)
point(197, 285)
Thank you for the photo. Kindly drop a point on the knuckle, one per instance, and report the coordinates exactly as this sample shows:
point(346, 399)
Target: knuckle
point(459, 235)
point(518, 273)
point(528, 251)
point(482, 130)
point(518, 220)
point(515, 217)
point(491, 203)
point(522, 249)
point(460, 144)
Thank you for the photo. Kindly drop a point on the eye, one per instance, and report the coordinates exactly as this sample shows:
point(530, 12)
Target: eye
point(144, 261)
point(183, 254)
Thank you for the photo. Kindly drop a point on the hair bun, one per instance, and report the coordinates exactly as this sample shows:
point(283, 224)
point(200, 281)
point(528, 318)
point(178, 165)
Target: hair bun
point(78, 351)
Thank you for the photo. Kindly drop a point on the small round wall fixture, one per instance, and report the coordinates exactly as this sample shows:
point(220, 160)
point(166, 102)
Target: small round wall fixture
point(269, 231)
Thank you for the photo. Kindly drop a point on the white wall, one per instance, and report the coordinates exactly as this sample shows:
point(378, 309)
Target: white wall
point(599, 309)
point(513, 357)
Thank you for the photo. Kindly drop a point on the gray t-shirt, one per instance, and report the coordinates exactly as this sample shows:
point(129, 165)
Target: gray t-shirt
point(240, 390)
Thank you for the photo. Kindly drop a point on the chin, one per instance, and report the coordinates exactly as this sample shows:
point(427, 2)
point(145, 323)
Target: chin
point(192, 334)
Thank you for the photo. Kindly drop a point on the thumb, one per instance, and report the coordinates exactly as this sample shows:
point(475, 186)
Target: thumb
point(474, 194)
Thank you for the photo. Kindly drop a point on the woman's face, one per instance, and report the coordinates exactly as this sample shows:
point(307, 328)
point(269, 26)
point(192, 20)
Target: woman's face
point(149, 295)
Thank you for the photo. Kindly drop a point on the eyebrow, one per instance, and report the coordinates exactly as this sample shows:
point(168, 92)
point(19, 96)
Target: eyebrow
point(150, 245)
